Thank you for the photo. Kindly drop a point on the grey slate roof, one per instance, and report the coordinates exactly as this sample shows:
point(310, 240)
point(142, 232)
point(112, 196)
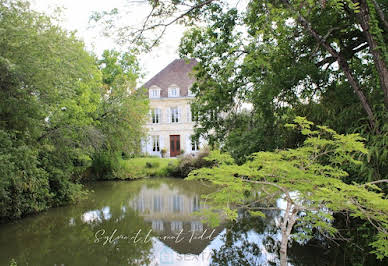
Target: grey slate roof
point(178, 72)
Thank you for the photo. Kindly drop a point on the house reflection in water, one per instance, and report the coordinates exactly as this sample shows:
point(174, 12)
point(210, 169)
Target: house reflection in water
point(171, 212)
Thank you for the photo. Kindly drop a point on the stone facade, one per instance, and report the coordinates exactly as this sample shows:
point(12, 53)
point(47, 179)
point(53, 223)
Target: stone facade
point(170, 124)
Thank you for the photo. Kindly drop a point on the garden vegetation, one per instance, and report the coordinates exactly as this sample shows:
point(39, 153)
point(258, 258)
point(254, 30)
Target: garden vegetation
point(64, 114)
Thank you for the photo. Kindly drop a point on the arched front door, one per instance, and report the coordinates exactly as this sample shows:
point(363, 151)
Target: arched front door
point(175, 145)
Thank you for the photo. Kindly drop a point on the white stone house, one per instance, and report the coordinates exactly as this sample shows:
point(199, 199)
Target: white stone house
point(170, 124)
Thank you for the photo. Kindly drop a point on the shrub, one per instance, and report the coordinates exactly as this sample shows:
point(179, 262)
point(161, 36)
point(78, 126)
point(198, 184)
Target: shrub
point(185, 164)
point(104, 164)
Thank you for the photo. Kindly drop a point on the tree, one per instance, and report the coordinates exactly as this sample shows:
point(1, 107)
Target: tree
point(279, 55)
point(49, 92)
point(122, 113)
point(57, 110)
point(308, 179)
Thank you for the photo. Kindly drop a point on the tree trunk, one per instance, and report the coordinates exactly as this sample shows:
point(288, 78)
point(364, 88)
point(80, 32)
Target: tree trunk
point(283, 248)
point(342, 63)
point(381, 67)
point(284, 241)
point(356, 87)
point(289, 219)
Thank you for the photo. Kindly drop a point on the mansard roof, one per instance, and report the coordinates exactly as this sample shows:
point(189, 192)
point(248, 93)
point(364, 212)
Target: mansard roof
point(178, 73)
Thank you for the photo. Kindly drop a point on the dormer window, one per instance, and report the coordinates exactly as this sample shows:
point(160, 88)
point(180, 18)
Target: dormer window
point(154, 92)
point(173, 91)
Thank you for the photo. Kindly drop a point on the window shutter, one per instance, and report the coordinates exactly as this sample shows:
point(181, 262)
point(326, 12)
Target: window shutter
point(201, 142)
point(169, 115)
point(188, 144)
point(179, 115)
point(149, 145)
point(150, 114)
point(188, 114)
point(161, 142)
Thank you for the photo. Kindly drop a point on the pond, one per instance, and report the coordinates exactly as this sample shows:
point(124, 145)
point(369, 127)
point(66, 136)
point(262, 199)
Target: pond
point(147, 222)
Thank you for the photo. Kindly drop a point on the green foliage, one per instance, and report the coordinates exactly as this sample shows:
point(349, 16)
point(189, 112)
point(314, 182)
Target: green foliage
point(61, 111)
point(185, 164)
point(152, 164)
point(309, 178)
point(142, 167)
point(24, 186)
point(264, 56)
point(48, 93)
point(104, 164)
point(124, 109)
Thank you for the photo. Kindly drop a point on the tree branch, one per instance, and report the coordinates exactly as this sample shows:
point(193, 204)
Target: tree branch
point(376, 182)
point(342, 63)
point(381, 14)
point(381, 67)
point(165, 25)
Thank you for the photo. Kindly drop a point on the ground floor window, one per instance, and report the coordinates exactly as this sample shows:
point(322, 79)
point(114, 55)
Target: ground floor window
point(194, 144)
point(155, 143)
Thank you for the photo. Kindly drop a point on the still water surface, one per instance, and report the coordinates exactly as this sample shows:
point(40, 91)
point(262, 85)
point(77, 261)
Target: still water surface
point(145, 222)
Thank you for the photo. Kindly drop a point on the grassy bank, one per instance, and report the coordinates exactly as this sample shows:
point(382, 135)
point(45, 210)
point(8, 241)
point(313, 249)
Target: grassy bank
point(143, 167)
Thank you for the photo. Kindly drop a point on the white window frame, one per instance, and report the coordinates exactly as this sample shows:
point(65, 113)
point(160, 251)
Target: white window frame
point(156, 116)
point(157, 225)
point(176, 226)
point(154, 92)
point(195, 144)
point(173, 91)
point(174, 115)
point(196, 226)
point(155, 143)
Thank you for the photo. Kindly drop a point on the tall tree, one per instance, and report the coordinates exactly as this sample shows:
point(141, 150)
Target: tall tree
point(310, 181)
point(56, 111)
point(286, 58)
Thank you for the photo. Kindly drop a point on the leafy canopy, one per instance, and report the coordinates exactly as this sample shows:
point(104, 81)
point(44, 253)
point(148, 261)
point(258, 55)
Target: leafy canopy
point(308, 178)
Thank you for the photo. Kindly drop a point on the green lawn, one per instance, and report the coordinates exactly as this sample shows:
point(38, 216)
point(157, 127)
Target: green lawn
point(143, 167)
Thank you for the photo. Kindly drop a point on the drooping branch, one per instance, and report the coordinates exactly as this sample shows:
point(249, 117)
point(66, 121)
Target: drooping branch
point(165, 25)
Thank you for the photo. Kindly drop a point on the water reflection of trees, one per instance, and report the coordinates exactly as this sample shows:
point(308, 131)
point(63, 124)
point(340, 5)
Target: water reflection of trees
point(66, 235)
point(249, 241)
point(255, 241)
